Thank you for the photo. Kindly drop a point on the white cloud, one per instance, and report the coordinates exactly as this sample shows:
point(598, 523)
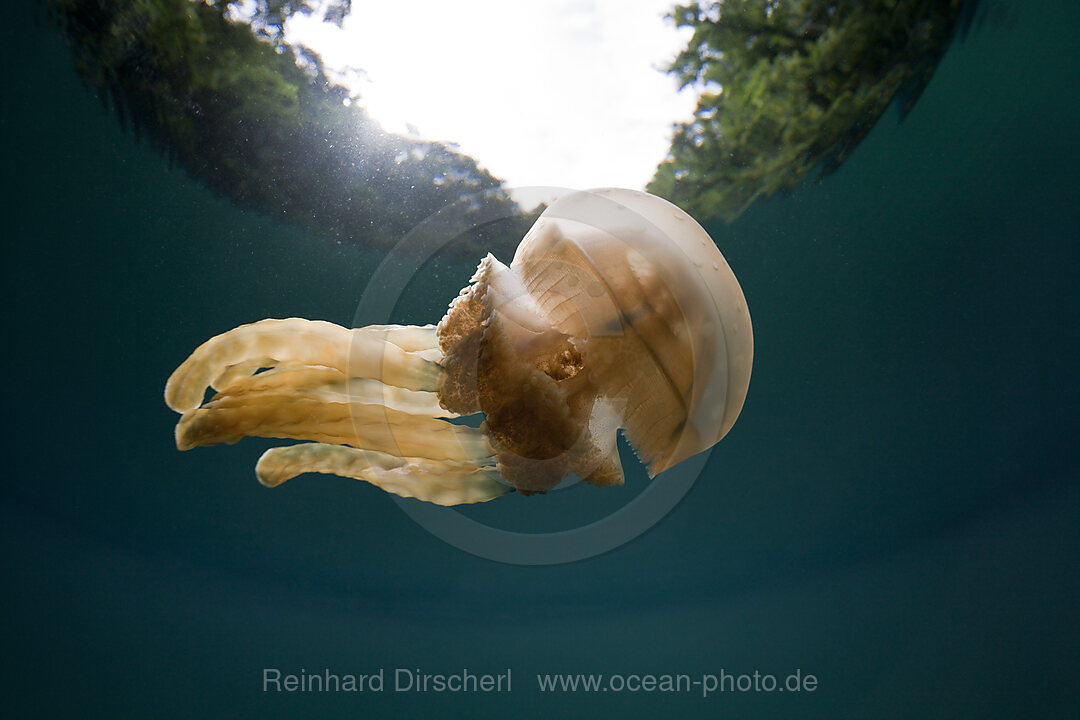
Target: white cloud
point(546, 92)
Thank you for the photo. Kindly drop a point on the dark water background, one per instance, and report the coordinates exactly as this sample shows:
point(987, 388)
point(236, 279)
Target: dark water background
point(897, 510)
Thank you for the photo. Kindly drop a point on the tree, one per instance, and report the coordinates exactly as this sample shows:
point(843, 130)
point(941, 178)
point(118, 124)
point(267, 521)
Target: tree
point(234, 109)
point(268, 17)
point(791, 86)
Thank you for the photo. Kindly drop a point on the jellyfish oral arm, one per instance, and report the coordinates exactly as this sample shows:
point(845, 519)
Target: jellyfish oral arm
point(365, 397)
point(393, 354)
point(441, 482)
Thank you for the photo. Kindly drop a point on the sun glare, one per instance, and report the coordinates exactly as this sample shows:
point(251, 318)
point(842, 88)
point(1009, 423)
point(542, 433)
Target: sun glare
point(566, 93)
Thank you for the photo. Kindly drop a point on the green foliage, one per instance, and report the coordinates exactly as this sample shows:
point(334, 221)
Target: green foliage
point(269, 16)
point(240, 115)
point(788, 86)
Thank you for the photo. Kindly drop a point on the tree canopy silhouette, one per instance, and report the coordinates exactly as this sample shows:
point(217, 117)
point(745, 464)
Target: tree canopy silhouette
point(236, 111)
point(788, 87)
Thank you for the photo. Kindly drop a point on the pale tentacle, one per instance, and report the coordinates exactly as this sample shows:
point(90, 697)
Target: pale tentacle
point(410, 338)
point(439, 482)
point(361, 352)
point(329, 385)
point(234, 372)
point(228, 418)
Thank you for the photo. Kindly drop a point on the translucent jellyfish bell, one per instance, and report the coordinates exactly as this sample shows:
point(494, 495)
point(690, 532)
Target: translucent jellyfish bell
point(618, 311)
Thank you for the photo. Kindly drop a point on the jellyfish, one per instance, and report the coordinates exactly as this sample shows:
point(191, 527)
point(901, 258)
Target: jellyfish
point(617, 312)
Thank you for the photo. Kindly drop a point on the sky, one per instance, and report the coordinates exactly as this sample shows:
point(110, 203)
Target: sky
point(565, 93)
